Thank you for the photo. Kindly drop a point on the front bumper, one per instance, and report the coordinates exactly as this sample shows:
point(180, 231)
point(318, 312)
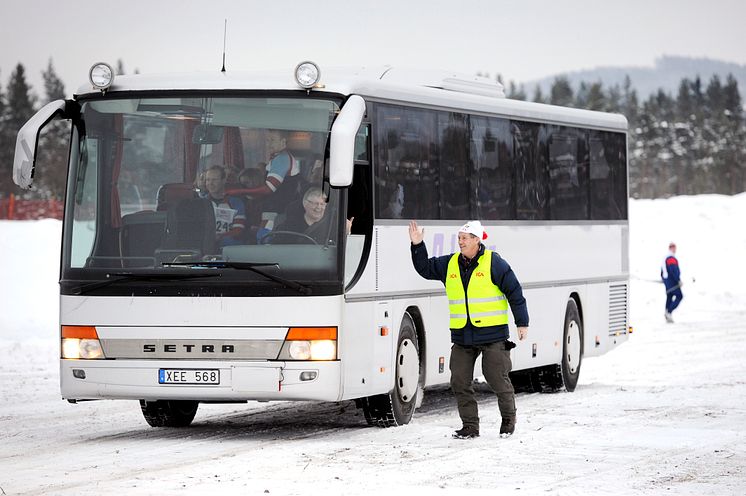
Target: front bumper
point(239, 380)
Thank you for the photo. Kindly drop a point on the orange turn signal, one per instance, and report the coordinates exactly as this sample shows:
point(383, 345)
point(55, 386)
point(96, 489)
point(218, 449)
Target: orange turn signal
point(311, 333)
point(79, 332)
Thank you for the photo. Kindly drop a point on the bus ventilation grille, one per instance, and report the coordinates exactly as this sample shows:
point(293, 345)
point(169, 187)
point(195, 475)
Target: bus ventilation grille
point(617, 309)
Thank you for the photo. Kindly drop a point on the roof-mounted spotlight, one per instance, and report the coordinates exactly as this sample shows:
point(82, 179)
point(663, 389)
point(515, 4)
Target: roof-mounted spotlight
point(101, 76)
point(307, 74)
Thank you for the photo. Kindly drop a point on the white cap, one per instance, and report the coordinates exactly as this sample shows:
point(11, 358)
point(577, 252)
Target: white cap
point(474, 227)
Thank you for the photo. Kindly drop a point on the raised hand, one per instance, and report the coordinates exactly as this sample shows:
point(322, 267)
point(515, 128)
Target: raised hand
point(416, 233)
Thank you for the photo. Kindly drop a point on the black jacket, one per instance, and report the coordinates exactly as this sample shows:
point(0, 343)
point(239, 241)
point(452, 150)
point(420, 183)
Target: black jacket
point(436, 268)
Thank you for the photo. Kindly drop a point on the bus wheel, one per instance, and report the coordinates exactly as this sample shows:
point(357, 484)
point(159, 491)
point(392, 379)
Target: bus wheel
point(169, 413)
point(572, 348)
point(397, 407)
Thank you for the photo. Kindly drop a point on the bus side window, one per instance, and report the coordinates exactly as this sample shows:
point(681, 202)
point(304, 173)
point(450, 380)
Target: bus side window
point(359, 200)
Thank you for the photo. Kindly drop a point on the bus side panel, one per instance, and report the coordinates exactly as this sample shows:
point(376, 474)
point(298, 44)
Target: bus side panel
point(367, 349)
point(596, 320)
point(543, 346)
point(605, 317)
point(438, 341)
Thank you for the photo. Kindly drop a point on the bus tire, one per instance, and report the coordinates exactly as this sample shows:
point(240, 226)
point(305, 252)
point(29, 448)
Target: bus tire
point(169, 413)
point(572, 346)
point(397, 407)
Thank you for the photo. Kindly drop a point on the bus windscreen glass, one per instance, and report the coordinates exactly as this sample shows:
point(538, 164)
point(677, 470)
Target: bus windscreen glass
point(164, 187)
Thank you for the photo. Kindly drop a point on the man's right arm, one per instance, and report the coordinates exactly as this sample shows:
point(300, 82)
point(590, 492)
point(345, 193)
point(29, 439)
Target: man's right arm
point(429, 268)
point(434, 268)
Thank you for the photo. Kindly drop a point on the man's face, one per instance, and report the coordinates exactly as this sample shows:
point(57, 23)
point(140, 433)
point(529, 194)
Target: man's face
point(215, 183)
point(275, 143)
point(315, 206)
point(468, 244)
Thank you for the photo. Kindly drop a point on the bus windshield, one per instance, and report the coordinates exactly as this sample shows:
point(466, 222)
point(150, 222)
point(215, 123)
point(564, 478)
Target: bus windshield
point(165, 187)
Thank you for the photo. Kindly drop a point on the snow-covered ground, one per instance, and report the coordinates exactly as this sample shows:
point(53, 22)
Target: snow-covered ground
point(663, 414)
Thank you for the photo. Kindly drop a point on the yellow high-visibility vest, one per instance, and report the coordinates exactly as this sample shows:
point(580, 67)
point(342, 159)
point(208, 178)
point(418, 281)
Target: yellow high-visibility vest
point(487, 305)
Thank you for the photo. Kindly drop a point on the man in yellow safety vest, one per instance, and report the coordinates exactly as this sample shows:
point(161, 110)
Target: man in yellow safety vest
point(479, 285)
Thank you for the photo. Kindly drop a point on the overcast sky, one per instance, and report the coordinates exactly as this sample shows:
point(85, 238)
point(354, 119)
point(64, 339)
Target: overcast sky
point(521, 39)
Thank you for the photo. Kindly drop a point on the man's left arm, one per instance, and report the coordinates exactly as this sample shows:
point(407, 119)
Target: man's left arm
point(505, 279)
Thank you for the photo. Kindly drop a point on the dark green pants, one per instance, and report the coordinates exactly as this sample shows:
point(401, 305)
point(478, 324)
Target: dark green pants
point(495, 365)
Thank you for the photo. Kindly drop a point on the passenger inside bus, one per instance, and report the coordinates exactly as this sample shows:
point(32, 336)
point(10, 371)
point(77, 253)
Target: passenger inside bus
point(282, 182)
point(230, 213)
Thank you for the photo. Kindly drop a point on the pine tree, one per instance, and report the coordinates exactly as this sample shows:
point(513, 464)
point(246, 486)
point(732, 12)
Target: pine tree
point(516, 92)
point(629, 107)
point(7, 148)
point(538, 95)
point(697, 163)
point(734, 137)
point(2, 104)
point(581, 97)
point(596, 99)
point(54, 89)
point(630, 104)
point(561, 92)
point(614, 99)
point(19, 108)
point(684, 101)
point(685, 129)
point(21, 101)
point(52, 153)
point(656, 177)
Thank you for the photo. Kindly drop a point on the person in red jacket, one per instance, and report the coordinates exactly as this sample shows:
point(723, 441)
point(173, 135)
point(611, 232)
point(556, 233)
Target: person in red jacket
point(671, 276)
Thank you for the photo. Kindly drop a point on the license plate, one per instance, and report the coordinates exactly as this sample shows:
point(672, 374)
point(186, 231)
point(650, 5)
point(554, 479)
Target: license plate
point(189, 376)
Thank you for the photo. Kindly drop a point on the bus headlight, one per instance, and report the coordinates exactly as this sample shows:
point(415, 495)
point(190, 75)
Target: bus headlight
point(79, 342)
point(86, 349)
point(101, 76)
point(307, 74)
point(310, 343)
point(323, 350)
point(300, 350)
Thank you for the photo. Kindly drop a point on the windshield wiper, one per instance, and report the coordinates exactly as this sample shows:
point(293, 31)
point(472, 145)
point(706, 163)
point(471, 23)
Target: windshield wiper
point(251, 266)
point(115, 277)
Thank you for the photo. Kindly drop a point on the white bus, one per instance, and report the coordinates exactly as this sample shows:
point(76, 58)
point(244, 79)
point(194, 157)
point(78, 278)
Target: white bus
point(154, 308)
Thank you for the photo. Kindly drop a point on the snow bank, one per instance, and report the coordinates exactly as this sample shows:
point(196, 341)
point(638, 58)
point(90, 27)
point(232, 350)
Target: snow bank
point(29, 291)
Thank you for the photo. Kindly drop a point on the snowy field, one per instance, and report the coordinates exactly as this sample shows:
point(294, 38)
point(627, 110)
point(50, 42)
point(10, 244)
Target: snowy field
point(663, 414)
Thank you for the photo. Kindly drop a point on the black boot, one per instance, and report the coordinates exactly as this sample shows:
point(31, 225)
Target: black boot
point(467, 432)
point(507, 427)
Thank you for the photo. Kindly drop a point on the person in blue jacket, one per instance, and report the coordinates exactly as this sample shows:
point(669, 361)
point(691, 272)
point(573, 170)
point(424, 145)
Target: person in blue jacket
point(478, 319)
point(671, 276)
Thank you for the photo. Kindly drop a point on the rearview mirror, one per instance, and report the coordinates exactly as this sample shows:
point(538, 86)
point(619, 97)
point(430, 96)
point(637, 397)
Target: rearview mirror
point(24, 160)
point(207, 134)
point(342, 145)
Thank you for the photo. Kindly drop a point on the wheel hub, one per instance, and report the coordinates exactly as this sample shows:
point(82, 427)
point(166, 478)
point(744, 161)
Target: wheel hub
point(407, 370)
point(572, 347)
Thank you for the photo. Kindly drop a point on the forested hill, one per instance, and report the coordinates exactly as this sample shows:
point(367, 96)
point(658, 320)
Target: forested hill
point(666, 73)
